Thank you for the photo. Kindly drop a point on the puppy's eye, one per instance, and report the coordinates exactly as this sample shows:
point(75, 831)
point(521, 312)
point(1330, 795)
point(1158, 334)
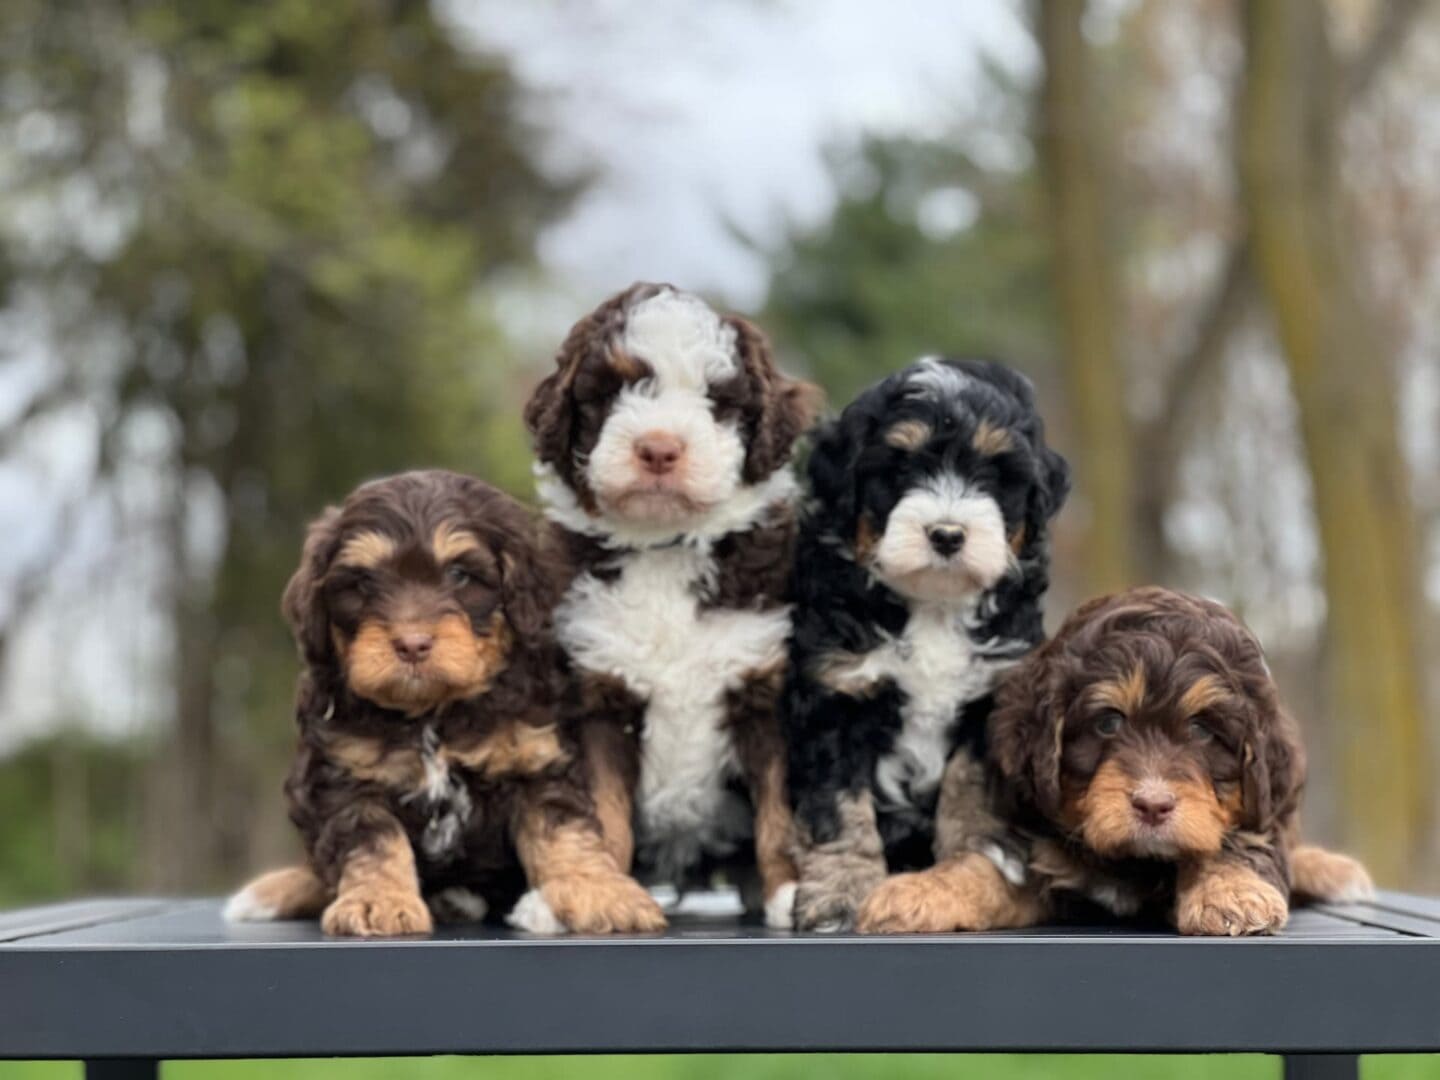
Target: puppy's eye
point(458, 576)
point(1200, 732)
point(1109, 723)
point(353, 582)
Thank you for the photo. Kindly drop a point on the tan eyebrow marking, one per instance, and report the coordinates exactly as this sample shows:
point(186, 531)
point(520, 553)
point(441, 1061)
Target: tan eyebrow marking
point(1125, 694)
point(623, 364)
point(908, 434)
point(1200, 695)
point(450, 542)
point(989, 439)
point(366, 549)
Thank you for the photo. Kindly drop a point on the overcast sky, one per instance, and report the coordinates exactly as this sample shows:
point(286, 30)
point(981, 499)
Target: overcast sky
point(700, 116)
point(691, 117)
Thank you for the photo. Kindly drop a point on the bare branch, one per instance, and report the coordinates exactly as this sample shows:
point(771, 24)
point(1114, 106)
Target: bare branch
point(1392, 27)
point(1219, 316)
point(57, 395)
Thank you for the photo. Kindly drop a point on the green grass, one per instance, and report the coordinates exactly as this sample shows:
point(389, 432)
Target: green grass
point(754, 1067)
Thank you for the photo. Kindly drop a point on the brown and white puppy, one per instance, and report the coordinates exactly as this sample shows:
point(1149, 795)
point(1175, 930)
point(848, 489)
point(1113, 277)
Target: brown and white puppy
point(1145, 766)
point(432, 777)
point(664, 439)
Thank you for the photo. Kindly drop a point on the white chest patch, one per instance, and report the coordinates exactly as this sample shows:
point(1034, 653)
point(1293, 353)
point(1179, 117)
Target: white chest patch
point(647, 629)
point(936, 667)
point(446, 797)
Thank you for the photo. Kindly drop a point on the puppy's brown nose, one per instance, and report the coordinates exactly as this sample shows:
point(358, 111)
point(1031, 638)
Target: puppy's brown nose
point(659, 451)
point(946, 539)
point(412, 647)
point(1153, 806)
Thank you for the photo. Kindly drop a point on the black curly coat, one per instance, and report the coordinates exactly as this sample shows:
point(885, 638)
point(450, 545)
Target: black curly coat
point(847, 702)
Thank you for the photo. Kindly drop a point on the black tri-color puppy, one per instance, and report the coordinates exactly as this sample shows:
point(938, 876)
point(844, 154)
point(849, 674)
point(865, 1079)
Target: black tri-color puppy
point(922, 562)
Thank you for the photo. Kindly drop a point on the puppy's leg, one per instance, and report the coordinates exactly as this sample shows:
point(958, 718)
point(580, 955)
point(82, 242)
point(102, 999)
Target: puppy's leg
point(295, 892)
point(964, 817)
point(964, 893)
point(575, 881)
point(752, 712)
point(378, 891)
point(774, 841)
point(1230, 895)
point(1320, 876)
point(838, 872)
point(606, 752)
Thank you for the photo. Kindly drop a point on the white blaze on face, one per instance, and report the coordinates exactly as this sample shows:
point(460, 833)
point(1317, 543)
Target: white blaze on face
point(906, 561)
point(689, 349)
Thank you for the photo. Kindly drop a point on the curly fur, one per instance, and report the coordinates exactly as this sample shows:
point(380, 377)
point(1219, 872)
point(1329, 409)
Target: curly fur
point(1143, 693)
point(447, 777)
point(896, 646)
point(675, 623)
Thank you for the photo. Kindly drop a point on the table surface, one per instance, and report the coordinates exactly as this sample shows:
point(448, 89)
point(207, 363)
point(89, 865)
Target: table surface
point(169, 978)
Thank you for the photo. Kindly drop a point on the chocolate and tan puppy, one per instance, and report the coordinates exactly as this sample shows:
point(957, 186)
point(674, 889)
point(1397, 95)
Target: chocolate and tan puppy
point(432, 777)
point(1144, 765)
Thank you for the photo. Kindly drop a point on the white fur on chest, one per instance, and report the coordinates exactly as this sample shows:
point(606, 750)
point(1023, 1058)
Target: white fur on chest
point(647, 629)
point(935, 666)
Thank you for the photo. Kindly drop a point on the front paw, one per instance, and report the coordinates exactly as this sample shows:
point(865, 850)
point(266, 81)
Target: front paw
point(912, 904)
point(1231, 904)
point(368, 912)
point(828, 902)
point(603, 904)
point(780, 908)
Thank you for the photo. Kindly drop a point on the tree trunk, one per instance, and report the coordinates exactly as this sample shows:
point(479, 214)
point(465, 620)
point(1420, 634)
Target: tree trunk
point(1084, 260)
point(1343, 380)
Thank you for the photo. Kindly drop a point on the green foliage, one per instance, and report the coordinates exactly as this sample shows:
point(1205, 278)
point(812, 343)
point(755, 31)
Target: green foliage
point(303, 204)
point(887, 279)
point(69, 821)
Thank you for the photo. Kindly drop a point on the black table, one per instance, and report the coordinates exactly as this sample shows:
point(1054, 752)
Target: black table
point(126, 983)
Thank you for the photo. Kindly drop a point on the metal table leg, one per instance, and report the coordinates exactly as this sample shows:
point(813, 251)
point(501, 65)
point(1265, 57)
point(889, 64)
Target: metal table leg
point(1322, 1067)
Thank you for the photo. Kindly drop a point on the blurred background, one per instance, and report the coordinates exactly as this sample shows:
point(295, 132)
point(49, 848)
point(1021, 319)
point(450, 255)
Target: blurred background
point(251, 253)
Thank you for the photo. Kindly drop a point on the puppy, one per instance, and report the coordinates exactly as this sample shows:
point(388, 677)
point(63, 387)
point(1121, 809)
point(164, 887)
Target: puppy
point(921, 566)
point(663, 441)
point(432, 779)
point(1146, 767)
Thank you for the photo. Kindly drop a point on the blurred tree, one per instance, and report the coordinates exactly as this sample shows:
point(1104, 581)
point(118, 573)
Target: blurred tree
point(927, 250)
point(1084, 259)
point(1342, 373)
point(260, 228)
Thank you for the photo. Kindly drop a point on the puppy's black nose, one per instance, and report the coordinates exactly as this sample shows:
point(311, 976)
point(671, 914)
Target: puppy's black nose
point(412, 647)
point(1153, 806)
point(946, 539)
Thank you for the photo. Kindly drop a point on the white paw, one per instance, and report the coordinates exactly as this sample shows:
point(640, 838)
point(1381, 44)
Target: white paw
point(246, 906)
point(532, 913)
point(780, 908)
point(458, 905)
point(830, 926)
point(1353, 892)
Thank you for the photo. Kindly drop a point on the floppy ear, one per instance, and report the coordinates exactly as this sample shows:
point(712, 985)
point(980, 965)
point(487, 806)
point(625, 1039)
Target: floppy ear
point(303, 603)
point(1026, 730)
point(787, 408)
point(830, 470)
point(1274, 770)
point(533, 573)
point(550, 412)
point(1052, 486)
